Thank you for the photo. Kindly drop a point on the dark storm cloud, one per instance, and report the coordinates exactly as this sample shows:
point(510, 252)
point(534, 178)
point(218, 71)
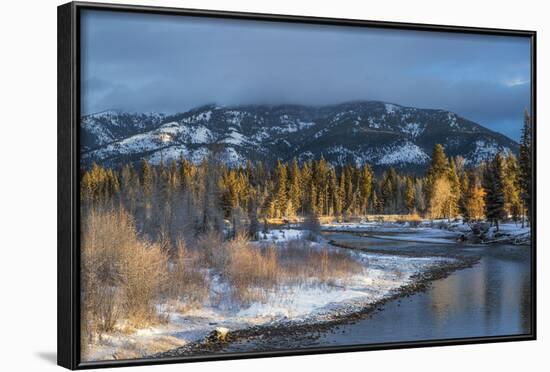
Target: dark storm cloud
point(171, 64)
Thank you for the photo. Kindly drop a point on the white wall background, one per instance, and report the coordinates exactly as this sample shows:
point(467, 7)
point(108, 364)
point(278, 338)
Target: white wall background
point(28, 183)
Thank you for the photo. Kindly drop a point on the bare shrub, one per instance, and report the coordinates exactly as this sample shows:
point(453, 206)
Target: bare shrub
point(122, 275)
point(301, 262)
point(250, 271)
point(188, 283)
point(100, 272)
point(211, 250)
point(144, 272)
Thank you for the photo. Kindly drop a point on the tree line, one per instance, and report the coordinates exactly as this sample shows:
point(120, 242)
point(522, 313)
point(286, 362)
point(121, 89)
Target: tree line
point(202, 196)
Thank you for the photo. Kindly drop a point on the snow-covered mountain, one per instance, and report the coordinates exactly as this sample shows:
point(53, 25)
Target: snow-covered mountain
point(382, 134)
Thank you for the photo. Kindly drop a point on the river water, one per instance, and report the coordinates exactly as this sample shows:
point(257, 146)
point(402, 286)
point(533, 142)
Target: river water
point(492, 298)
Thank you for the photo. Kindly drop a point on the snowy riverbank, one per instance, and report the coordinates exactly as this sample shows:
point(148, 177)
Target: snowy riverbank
point(380, 276)
point(438, 231)
point(374, 278)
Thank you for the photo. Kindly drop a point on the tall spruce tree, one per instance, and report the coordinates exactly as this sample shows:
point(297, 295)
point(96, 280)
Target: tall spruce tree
point(281, 193)
point(494, 190)
point(333, 193)
point(365, 187)
point(295, 191)
point(525, 161)
point(512, 188)
point(454, 181)
point(410, 195)
point(473, 199)
point(147, 178)
point(342, 191)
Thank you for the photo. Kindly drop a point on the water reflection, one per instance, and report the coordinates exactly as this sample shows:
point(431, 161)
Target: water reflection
point(492, 298)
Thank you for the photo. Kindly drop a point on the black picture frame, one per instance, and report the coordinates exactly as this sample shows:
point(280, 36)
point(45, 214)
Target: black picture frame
point(68, 346)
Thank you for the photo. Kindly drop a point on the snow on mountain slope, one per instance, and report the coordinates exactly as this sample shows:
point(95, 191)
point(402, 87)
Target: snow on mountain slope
point(404, 153)
point(382, 134)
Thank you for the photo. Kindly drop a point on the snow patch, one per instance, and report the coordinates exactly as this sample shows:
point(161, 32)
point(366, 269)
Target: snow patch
point(412, 129)
point(484, 150)
point(406, 153)
point(391, 108)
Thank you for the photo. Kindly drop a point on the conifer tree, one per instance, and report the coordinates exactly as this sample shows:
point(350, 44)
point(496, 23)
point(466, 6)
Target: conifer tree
point(388, 192)
point(305, 182)
point(511, 186)
point(146, 178)
point(474, 198)
point(281, 193)
point(322, 186)
point(342, 202)
point(349, 191)
point(494, 190)
point(365, 188)
point(376, 203)
point(332, 201)
point(464, 195)
point(295, 191)
point(410, 195)
point(439, 164)
point(436, 189)
point(173, 179)
point(525, 161)
point(454, 181)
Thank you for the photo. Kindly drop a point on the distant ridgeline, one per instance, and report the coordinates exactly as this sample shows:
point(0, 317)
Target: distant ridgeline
point(382, 135)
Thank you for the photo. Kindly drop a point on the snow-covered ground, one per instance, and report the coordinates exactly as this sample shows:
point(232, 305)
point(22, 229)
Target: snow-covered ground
point(280, 235)
point(381, 275)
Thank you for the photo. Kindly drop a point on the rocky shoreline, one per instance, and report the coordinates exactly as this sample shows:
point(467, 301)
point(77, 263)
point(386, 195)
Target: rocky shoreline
point(325, 322)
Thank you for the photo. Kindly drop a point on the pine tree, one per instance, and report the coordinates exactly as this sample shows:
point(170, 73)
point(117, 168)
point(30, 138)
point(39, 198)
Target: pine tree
point(410, 195)
point(333, 203)
point(436, 188)
point(305, 182)
point(525, 162)
point(312, 209)
point(440, 163)
point(349, 191)
point(146, 178)
point(438, 168)
point(129, 185)
point(464, 195)
point(474, 198)
point(420, 195)
point(254, 224)
point(295, 191)
point(376, 203)
point(388, 192)
point(173, 179)
point(441, 200)
point(511, 186)
point(229, 193)
point(454, 181)
point(493, 184)
point(321, 173)
point(342, 202)
point(365, 188)
point(281, 193)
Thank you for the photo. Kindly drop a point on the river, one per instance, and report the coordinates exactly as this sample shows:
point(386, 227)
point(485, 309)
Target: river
point(492, 298)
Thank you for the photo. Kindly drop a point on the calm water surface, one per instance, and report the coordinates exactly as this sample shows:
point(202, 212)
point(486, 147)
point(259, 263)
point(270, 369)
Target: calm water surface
point(489, 299)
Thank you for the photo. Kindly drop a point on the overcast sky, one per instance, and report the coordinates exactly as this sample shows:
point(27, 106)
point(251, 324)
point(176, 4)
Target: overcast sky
point(170, 64)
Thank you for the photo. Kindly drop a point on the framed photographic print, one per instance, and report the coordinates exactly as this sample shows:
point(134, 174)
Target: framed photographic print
point(235, 185)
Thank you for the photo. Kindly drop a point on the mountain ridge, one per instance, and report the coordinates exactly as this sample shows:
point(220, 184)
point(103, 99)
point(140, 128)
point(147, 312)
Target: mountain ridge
point(380, 133)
